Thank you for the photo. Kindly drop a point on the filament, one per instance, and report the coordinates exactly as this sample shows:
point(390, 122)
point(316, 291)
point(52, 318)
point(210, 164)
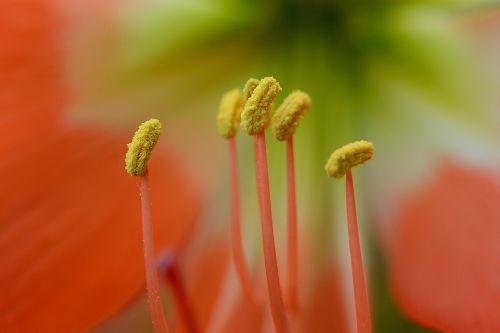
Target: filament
point(292, 246)
point(270, 261)
point(152, 284)
point(363, 316)
point(236, 241)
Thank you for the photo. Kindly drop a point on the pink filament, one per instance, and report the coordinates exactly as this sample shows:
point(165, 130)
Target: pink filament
point(270, 261)
point(152, 284)
point(236, 241)
point(363, 316)
point(292, 246)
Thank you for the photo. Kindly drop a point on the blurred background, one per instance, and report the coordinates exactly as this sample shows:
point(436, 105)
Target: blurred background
point(420, 79)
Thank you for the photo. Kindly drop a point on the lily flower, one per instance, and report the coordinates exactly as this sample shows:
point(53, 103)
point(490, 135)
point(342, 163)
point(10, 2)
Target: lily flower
point(411, 77)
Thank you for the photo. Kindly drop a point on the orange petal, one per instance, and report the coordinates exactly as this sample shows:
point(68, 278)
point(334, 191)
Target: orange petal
point(206, 269)
point(245, 317)
point(324, 309)
point(70, 233)
point(30, 78)
point(445, 255)
point(203, 276)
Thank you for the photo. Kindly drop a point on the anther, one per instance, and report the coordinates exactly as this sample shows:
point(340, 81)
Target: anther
point(249, 88)
point(256, 113)
point(141, 146)
point(228, 118)
point(287, 117)
point(347, 157)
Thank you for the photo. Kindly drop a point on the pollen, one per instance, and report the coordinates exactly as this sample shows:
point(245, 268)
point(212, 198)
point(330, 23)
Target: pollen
point(249, 88)
point(286, 119)
point(347, 157)
point(139, 150)
point(228, 119)
point(256, 113)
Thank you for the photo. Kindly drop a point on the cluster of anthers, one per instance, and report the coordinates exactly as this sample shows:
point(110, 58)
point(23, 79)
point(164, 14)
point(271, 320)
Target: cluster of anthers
point(252, 111)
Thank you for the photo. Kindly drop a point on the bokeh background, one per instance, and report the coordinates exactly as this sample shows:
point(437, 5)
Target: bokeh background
point(420, 79)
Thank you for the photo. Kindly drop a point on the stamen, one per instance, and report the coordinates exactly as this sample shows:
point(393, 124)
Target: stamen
point(228, 118)
point(347, 157)
point(256, 114)
point(168, 268)
point(287, 117)
point(249, 88)
point(350, 156)
point(228, 121)
point(139, 151)
point(285, 122)
point(255, 118)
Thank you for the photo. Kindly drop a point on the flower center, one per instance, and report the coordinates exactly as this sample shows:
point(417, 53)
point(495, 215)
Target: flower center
point(253, 108)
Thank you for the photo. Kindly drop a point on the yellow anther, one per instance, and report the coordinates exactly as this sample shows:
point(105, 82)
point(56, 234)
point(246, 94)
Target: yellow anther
point(256, 113)
point(228, 119)
point(287, 117)
point(139, 150)
point(249, 88)
point(347, 157)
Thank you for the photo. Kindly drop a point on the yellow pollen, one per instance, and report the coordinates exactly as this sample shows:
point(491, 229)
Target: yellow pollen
point(228, 119)
point(139, 150)
point(256, 113)
point(287, 117)
point(249, 88)
point(347, 157)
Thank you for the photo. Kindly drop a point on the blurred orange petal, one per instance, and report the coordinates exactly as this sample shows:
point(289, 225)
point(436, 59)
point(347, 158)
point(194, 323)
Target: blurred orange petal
point(70, 231)
point(245, 317)
point(204, 277)
point(445, 258)
point(324, 310)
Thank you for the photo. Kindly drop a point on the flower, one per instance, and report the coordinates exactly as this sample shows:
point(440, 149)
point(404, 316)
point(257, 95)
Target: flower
point(399, 74)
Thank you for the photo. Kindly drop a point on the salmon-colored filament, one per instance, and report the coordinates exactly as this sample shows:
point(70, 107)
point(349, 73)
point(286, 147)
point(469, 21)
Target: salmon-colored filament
point(152, 284)
point(363, 316)
point(292, 258)
point(270, 261)
point(236, 242)
point(169, 270)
